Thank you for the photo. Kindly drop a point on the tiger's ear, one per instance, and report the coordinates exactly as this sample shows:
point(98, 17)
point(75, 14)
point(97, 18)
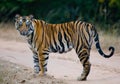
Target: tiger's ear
point(16, 17)
point(31, 17)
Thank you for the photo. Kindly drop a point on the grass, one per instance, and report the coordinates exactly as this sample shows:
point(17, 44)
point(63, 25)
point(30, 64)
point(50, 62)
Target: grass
point(107, 38)
point(8, 32)
point(1, 79)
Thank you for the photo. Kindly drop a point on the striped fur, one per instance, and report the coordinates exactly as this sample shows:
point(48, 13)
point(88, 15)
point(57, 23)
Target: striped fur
point(45, 38)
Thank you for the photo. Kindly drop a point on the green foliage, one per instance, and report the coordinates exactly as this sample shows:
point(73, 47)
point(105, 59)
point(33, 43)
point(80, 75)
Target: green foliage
point(110, 10)
point(58, 11)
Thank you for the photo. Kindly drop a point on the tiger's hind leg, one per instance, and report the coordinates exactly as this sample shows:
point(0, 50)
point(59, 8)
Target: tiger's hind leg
point(84, 59)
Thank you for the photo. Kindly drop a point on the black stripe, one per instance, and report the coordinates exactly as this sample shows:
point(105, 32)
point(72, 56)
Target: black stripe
point(67, 40)
point(84, 37)
point(88, 31)
point(68, 30)
point(45, 53)
point(84, 63)
point(99, 49)
point(58, 47)
point(35, 56)
point(45, 59)
point(52, 48)
point(61, 43)
point(77, 23)
point(82, 55)
point(79, 49)
point(79, 28)
point(45, 65)
point(54, 39)
point(32, 35)
point(78, 43)
point(35, 21)
point(97, 45)
point(36, 60)
point(35, 39)
point(36, 66)
point(80, 46)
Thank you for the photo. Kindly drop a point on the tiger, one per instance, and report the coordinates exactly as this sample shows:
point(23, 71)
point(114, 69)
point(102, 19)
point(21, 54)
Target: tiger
point(44, 38)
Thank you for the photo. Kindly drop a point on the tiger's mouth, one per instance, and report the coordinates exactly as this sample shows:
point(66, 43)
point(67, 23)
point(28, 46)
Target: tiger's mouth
point(26, 33)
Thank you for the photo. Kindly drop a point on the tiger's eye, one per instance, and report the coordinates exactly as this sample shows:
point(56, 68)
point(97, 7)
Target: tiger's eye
point(20, 23)
point(28, 22)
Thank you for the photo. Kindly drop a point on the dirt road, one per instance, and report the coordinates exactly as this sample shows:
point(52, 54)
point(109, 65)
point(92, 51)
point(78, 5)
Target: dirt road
point(64, 67)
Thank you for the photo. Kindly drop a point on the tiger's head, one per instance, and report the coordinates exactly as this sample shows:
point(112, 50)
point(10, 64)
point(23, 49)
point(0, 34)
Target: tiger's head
point(24, 24)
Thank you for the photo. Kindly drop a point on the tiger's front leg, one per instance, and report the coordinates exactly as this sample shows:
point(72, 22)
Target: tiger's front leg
point(43, 59)
point(36, 62)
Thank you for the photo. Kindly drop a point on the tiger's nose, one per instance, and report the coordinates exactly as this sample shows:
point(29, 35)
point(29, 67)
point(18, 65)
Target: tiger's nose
point(23, 33)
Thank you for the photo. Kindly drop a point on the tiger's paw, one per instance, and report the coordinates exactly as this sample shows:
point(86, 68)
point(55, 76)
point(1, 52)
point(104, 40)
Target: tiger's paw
point(81, 78)
point(36, 70)
point(42, 73)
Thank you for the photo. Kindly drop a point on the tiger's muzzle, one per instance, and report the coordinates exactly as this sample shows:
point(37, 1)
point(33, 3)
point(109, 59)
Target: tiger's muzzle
point(24, 33)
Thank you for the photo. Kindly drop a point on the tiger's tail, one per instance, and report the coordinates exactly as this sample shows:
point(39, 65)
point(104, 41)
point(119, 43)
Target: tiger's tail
point(97, 43)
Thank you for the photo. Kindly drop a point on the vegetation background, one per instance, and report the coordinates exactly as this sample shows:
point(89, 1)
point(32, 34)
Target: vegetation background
point(58, 11)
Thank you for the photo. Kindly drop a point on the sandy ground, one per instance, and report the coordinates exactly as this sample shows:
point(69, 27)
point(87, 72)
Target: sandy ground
point(62, 68)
